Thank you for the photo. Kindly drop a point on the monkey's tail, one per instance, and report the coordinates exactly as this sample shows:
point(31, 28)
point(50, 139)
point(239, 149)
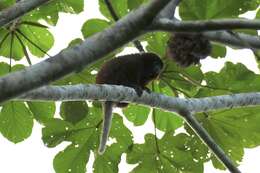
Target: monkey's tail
point(108, 107)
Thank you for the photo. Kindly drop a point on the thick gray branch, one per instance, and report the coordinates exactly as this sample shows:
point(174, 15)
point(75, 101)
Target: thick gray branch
point(205, 25)
point(205, 137)
point(19, 9)
point(73, 59)
point(125, 94)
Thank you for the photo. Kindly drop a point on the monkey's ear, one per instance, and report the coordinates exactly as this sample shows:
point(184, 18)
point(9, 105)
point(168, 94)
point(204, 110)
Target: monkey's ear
point(187, 49)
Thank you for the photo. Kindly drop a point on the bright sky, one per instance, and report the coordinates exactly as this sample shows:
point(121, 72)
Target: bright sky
point(32, 156)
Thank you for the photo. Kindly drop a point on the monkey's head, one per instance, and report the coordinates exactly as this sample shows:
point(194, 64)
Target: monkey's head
point(152, 66)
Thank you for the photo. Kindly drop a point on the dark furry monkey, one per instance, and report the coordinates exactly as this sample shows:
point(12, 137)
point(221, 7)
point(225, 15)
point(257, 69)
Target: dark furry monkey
point(134, 70)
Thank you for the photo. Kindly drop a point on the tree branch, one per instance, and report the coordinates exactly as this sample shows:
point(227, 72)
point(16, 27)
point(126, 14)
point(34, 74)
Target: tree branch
point(90, 50)
point(205, 137)
point(204, 25)
point(124, 94)
point(18, 9)
point(137, 43)
point(226, 38)
point(218, 36)
point(169, 10)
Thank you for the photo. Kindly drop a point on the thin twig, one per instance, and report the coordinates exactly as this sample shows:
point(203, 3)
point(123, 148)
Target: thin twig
point(11, 51)
point(24, 49)
point(172, 25)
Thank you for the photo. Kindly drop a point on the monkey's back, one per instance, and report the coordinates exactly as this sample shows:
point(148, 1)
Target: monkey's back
point(124, 70)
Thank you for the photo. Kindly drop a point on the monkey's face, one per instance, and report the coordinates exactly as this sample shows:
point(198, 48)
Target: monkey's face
point(152, 68)
point(155, 69)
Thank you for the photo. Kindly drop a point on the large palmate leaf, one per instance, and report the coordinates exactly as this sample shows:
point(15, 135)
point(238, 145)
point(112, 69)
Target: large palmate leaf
point(168, 154)
point(233, 78)
point(233, 130)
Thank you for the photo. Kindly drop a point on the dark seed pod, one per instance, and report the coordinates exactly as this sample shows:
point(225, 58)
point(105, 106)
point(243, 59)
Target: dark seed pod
point(187, 49)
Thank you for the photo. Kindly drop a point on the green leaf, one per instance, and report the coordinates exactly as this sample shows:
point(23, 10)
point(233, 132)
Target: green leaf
point(258, 14)
point(17, 50)
point(166, 121)
point(84, 137)
point(75, 157)
point(55, 132)
point(74, 111)
point(156, 43)
point(233, 130)
point(39, 36)
point(17, 67)
point(50, 10)
point(173, 156)
point(92, 26)
point(119, 6)
point(75, 42)
point(199, 151)
point(133, 4)
point(245, 125)
point(206, 9)
point(137, 114)
point(234, 78)
point(4, 68)
point(16, 121)
point(218, 51)
point(42, 111)
point(185, 81)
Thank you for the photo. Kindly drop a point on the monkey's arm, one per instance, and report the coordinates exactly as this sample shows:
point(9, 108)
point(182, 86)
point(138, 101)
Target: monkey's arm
point(108, 108)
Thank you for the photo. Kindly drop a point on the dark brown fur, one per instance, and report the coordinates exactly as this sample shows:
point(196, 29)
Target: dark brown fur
point(134, 70)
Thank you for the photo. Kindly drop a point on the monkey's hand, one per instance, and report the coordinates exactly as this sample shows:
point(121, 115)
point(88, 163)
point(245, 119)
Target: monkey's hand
point(147, 90)
point(138, 90)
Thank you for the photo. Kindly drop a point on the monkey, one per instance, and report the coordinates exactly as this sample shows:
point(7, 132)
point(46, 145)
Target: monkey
point(133, 70)
point(188, 48)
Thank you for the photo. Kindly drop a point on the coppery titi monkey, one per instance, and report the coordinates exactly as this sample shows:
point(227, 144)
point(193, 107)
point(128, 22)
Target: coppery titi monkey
point(134, 70)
